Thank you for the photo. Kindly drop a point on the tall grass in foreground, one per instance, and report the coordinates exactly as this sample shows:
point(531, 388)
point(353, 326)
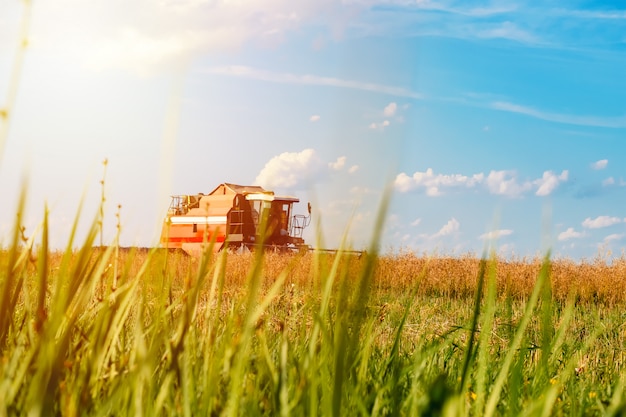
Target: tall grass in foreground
point(109, 332)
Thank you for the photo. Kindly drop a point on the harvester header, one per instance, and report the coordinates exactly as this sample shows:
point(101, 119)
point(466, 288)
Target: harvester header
point(233, 216)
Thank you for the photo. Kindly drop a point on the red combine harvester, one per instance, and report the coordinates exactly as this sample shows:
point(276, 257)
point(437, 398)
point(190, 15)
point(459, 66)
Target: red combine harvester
point(233, 215)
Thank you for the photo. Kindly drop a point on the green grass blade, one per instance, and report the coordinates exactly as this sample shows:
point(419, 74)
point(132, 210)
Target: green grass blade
point(498, 385)
point(484, 348)
point(469, 349)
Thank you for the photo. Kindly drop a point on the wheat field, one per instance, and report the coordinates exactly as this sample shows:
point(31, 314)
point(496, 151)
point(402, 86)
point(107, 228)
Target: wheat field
point(114, 331)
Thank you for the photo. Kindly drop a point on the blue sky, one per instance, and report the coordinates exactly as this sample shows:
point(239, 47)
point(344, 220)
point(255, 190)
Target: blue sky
point(498, 123)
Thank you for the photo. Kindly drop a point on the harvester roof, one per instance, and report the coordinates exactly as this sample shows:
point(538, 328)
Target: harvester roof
point(228, 188)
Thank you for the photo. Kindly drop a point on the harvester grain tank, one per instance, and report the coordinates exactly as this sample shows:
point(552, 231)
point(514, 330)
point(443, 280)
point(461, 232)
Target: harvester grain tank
point(233, 215)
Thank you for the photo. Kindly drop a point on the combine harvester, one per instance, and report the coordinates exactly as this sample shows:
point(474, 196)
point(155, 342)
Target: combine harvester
point(233, 217)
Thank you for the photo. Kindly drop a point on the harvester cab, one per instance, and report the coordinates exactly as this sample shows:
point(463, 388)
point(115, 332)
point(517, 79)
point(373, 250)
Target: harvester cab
point(234, 216)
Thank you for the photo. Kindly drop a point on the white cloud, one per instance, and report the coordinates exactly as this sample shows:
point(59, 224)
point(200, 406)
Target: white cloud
point(379, 126)
point(598, 121)
point(390, 109)
point(309, 79)
point(512, 22)
point(504, 182)
point(338, 164)
point(549, 182)
point(595, 14)
point(601, 164)
point(432, 183)
point(353, 169)
point(608, 181)
point(449, 233)
point(506, 250)
point(570, 233)
point(507, 30)
point(403, 183)
point(289, 169)
point(600, 222)
point(613, 237)
point(495, 234)
point(314, 118)
point(475, 11)
point(451, 227)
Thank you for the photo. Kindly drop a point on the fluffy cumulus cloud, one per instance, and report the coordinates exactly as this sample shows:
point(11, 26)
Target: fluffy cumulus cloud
point(570, 233)
point(601, 222)
point(549, 182)
point(338, 164)
point(495, 234)
point(449, 230)
point(390, 112)
point(432, 183)
point(390, 109)
point(289, 169)
point(504, 183)
point(451, 227)
point(601, 164)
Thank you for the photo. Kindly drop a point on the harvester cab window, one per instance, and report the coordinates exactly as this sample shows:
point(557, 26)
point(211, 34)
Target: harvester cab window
point(194, 201)
point(285, 215)
point(280, 214)
point(256, 206)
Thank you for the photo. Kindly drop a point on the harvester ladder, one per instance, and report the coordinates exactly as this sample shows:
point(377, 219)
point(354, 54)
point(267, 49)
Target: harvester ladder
point(235, 221)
